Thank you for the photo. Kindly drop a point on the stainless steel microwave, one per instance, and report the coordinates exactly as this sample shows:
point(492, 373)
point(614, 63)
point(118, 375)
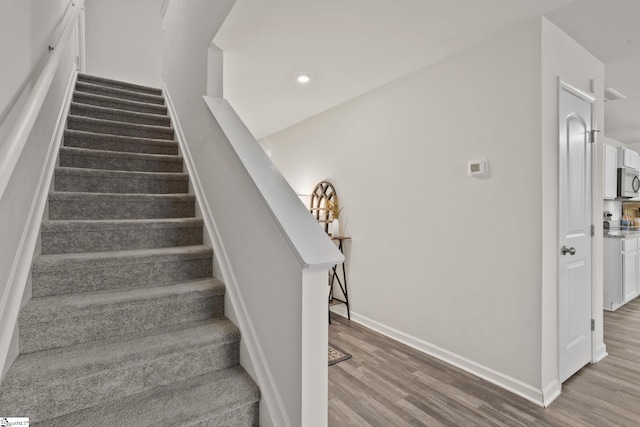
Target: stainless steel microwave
point(628, 183)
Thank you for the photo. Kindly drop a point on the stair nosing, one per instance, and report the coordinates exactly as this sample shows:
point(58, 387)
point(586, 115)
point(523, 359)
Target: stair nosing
point(132, 102)
point(246, 394)
point(136, 114)
point(74, 171)
point(122, 138)
point(217, 326)
point(114, 90)
point(169, 158)
point(49, 261)
point(141, 196)
point(88, 78)
point(52, 306)
point(164, 129)
point(125, 355)
point(99, 224)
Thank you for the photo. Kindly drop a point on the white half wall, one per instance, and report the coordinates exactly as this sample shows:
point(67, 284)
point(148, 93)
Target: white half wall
point(124, 40)
point(448, 260)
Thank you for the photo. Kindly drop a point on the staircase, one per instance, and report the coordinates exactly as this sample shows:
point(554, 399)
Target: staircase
point(126, 324)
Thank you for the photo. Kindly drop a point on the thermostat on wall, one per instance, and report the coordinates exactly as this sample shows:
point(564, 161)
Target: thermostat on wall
point(478, 168)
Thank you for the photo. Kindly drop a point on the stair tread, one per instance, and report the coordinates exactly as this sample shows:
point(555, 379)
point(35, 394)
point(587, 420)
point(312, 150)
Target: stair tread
point(79, 179)
point(209, 399)
point(72, 117)
point(83, 86)
point(117, 367)
point(50, 308)
point(129, 256)
point(103, 126)
point(95, 158)
point(92, 235)
point(173, 158)
point(80, 96)
point(97, 110)
point(66, 360)
point(64, 170)
point(62, 225)
point(119, 143)
point(79, 195)
point(121, 138)
point(106, 81)
point(88, 205)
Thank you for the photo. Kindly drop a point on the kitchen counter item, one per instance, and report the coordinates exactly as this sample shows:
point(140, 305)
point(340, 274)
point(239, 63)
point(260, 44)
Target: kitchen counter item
point(621, 233)
point(626, 221)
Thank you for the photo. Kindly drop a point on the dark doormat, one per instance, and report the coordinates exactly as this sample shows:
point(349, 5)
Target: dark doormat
point(336, 355)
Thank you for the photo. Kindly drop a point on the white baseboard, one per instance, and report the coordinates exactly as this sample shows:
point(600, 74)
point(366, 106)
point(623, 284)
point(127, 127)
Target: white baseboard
point(18, 276)
point(513, 385)
point(268, 388)
point(601, 353)
point(551, 392)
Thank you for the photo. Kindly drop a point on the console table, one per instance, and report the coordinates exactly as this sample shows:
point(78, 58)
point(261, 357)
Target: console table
point(334, 277)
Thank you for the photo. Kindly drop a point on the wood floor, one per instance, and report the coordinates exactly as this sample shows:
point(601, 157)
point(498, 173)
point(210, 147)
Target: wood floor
point(388, 384)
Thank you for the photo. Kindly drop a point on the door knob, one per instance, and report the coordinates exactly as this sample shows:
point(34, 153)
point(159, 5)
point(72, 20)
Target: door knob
point(570, 251)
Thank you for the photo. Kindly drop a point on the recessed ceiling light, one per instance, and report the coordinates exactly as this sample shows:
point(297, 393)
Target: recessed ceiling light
point(303, 78)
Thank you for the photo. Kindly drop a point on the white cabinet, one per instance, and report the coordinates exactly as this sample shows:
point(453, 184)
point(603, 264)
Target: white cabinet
point(629, 275)
point(610, 172)
point(621, 271)
point(628, 158)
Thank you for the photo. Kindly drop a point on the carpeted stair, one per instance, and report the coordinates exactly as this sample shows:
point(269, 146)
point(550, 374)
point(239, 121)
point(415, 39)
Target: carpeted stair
point(126, 324)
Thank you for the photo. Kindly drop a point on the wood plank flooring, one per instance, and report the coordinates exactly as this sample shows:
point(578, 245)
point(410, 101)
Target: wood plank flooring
point(388, 384)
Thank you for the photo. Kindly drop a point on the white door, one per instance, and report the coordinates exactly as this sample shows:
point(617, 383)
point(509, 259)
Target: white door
point(574, 251)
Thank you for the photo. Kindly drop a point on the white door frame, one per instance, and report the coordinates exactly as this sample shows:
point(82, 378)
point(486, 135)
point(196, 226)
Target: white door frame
point(562, 85)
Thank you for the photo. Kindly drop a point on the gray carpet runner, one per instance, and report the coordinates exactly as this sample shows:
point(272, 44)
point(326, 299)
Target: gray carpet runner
point(126, 323)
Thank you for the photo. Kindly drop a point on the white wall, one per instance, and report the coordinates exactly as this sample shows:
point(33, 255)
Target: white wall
point(124, 40)
point(26, 29)
point(46, 16)
point(634, 146)
point(463, 268)
point(187, 53)
point(22, 203)
point(448, 262)
point(15, 56)
point(613, 142)
point(565, 58)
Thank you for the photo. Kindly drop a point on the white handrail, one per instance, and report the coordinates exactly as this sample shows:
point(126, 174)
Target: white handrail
point(308, 241)
point(163, 8)
point(56, 36)
point(17, 138)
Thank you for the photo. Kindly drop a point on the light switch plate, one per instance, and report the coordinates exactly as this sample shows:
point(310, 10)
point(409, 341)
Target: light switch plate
point(478, 168)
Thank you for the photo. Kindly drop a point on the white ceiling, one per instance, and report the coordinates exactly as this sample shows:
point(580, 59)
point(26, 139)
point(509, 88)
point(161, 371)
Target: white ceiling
point(352, 46)
point(610, 30)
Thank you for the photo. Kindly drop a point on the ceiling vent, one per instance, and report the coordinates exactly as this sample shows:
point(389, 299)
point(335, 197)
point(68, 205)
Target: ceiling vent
point(610, 94)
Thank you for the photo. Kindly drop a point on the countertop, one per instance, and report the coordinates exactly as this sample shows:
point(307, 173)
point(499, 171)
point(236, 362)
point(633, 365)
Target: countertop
point(621, 232)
